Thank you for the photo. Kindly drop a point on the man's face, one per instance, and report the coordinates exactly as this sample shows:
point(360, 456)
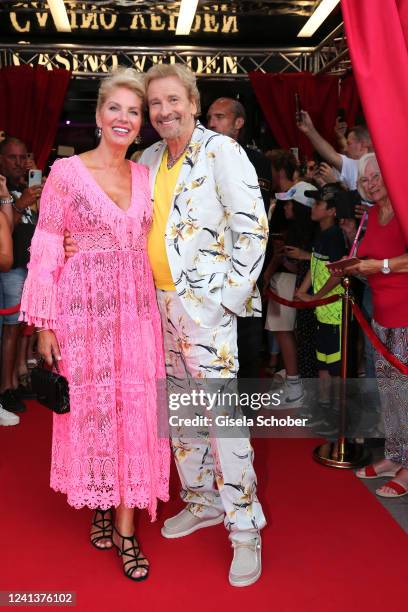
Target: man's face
point(13, 162)
point(221, 119)
point(320, 211)
point(355, 148)
point(170, 109)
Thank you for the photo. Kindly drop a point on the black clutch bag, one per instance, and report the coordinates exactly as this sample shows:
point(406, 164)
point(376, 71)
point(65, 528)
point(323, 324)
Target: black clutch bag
point(51, 388)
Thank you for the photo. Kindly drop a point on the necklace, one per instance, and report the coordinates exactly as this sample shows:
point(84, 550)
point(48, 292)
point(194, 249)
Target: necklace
point(171, 161)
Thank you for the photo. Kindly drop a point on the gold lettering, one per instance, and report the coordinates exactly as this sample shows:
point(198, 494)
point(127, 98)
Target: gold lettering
point(72, 17)
point(172, 22)
point(196, 64)
point(42, 19)
point(63, 60)
point(44, 60)
point(210, 23)
point(230, 64)
point(15, 58)
point(196, 24)
point(139, 64)
point(156, 23)
point(113, 18)
point(17, 26)
point(211, 66)
point(93, 63)
point(114, 62)
point(229, 24)
point(88, 19)
point(75, 62)
point(135, 23)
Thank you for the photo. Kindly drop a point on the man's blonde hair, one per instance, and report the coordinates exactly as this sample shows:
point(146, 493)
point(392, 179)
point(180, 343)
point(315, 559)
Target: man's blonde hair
point(183, 73)
point(121, 77)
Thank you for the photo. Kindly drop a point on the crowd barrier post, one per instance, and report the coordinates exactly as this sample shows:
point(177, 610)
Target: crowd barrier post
point(343, 453)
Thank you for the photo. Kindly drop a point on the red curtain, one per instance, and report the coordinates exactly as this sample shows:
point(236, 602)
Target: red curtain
point(31, 102)
point(349, 99)
point(377, 35)
point(276, 96)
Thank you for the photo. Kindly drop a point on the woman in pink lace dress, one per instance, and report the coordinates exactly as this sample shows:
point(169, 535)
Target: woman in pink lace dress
point(97, 313)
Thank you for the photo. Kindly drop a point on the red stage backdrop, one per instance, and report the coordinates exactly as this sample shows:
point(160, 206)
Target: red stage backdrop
point(377, 35)
point(31, 102)
point(319, 95)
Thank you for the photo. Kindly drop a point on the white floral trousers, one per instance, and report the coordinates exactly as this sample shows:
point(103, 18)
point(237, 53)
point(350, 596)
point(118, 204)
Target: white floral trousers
point(216, 473)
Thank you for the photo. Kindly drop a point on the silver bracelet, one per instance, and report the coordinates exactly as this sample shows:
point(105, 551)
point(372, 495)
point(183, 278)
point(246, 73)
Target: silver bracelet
point(41, 329)
point(4, 201)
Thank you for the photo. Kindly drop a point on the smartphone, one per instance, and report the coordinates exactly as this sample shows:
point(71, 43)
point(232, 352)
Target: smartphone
point(343, 264)
point(34, 178)
point(295, 152)
point(341, 114)
point(298, 107)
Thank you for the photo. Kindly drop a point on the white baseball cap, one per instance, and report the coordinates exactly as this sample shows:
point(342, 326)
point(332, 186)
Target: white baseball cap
point(297, 193)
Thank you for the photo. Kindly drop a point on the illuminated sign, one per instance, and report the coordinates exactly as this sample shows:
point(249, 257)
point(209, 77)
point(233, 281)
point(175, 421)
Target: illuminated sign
point(97, 63)
point(96, 18)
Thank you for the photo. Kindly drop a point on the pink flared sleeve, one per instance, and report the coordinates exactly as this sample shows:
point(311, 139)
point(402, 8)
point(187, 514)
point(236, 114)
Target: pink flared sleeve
point(39, 299)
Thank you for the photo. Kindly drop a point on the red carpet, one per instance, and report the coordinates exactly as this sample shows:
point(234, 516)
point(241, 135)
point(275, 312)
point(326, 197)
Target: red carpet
point(328, 544)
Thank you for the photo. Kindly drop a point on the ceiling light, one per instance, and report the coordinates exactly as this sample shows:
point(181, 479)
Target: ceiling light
point(320, 14)
point(186, 16)
point(59, 15)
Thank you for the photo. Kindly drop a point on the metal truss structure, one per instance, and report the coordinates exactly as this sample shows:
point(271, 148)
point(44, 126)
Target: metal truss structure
point(92, 61)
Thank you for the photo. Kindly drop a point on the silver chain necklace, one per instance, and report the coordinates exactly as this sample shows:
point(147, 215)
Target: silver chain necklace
point(171, 161)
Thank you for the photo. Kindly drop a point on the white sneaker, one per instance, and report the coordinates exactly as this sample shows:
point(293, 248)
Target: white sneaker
point(8, 418)
point(185, 522)
point(246, 566)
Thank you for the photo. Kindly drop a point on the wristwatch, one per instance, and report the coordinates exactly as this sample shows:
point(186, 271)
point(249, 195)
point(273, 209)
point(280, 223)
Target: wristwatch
point(386, 268)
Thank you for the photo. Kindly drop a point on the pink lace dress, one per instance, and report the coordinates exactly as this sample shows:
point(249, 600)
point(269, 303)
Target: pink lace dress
point(101, 304)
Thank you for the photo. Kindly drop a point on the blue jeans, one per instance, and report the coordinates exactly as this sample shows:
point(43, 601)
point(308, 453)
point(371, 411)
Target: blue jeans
point(11, 290)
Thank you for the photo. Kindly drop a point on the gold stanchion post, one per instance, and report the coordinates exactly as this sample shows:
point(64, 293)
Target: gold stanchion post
point(343, 453)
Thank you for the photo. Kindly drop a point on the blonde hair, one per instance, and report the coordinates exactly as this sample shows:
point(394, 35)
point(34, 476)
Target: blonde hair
point(183, 73)
point(122, 77)
point(362, 165)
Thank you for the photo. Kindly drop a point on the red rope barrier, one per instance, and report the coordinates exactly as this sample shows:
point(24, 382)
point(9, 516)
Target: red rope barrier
point(301, 305)
point(377, 344)
point(11, 310)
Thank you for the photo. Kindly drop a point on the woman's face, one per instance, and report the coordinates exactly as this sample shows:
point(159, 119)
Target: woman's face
point(288, 209)
point(373, 184)
point(120, 117)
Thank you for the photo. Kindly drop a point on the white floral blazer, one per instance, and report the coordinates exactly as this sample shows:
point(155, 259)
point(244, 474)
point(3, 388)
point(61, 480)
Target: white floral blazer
point(217, 228)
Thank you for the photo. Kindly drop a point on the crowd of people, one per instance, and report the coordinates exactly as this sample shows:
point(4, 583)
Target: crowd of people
point(141, 271)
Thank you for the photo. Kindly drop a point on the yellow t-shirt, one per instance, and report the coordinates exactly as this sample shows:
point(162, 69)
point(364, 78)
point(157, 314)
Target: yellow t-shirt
point(156, 247)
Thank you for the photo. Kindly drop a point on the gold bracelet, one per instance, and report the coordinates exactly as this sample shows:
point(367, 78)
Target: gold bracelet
point(38, 331)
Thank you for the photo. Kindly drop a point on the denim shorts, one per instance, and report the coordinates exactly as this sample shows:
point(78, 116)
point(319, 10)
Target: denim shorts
point(11, 289)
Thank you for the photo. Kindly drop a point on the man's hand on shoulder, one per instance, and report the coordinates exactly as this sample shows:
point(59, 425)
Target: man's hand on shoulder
point(70, 246)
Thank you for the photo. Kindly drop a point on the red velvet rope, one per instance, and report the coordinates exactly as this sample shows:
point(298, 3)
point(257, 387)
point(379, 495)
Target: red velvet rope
point(377, 344)
point(11, 310)
point(301, 305)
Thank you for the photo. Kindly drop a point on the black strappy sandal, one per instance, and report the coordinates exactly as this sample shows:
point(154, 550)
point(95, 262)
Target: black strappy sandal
point(136, 560)
point(104, 528)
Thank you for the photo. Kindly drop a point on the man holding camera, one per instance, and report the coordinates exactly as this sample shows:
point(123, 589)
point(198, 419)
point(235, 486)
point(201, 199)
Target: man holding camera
point(13, 165)
point(358, 144)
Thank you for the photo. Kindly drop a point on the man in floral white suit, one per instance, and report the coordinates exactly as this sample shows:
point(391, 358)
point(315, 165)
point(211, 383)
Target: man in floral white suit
point(206, 248)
